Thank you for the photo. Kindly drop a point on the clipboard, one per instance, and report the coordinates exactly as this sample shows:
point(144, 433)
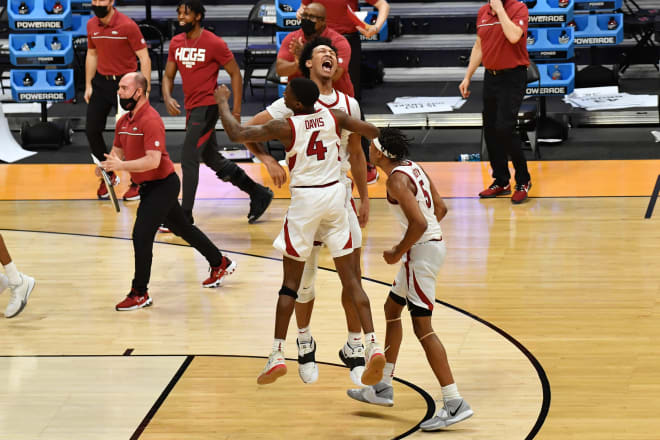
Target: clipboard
point(108, 184)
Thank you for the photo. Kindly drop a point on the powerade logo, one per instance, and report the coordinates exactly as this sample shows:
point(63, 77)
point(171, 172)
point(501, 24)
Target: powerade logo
point(46, 96)
point(595, 40)
point(291, 22)
point(547, 18)
point(38, 25)
point(545, 91)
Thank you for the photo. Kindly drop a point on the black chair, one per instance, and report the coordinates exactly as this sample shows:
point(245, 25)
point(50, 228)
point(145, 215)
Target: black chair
point(528, 118)
point(639, 24)
point(155, 41)
point(260, 22)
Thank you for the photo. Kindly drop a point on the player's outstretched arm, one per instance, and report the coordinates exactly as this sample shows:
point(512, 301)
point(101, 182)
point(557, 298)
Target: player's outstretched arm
point(275, 129)
point(275, 170)
point(349, 123)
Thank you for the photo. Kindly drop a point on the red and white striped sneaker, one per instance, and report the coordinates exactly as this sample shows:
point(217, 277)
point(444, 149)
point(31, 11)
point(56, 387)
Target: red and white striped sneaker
point(274, 369)
point(219, 273)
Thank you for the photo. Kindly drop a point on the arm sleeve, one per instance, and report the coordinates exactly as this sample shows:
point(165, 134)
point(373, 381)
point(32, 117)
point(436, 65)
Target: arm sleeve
point(135, 38)
point(154, 135)
point(279, 110)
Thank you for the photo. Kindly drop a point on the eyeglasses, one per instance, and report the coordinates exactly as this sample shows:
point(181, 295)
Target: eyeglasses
point(305, 16)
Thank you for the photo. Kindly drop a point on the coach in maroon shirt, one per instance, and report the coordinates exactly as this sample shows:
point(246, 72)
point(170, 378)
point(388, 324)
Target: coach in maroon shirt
point(502, 48)
point(313, 25)
point(139, 148)
point(113, 42)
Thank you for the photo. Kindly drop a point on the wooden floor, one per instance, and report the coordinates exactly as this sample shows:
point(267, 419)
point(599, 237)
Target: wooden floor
point(549, 312)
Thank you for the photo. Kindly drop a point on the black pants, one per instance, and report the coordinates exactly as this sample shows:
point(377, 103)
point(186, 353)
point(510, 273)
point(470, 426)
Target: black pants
point(201, 144)
point(159, 205)
point(104, 98)
point(503, 94)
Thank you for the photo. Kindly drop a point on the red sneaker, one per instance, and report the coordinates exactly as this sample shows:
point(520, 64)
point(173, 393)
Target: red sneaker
point(134, 301)
point(495, 190)
point(133, 192)
point(164, 229)
point(372, 174)
point(102, 192)
point(520, 194)
point(219, 273)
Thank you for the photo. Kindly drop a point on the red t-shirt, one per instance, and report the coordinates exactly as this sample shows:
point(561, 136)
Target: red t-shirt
point(336, 14)
point(497, 52)
point(115, 44)
point(136, 133)
point(198, 62)
point(343, 84)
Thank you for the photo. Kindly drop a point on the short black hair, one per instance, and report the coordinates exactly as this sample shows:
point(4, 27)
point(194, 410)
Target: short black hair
point(394, 142)
point(305, 90)
point(307, 51)
point(192, 5)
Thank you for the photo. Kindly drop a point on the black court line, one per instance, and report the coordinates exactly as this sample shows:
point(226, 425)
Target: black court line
point(654, 197)
point(154, 409)
point(543, 378)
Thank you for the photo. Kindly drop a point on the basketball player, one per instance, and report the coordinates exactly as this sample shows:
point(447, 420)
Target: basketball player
point(311, 138)
point(318, 62)
point(198, 55)
point(20, 284)
point(139, 148)
point(419, 209)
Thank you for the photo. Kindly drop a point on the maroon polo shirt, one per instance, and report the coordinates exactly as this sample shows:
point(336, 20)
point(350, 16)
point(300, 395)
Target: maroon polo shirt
point(343, 84)
point(199, 61)
point(336, 14)
point(139, 131)
point(497, 52)
point(115, 44)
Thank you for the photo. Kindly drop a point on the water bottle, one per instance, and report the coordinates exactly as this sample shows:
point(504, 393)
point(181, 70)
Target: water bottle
point(474, 157)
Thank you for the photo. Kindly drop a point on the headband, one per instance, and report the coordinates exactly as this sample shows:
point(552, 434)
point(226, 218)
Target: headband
point(379, 147)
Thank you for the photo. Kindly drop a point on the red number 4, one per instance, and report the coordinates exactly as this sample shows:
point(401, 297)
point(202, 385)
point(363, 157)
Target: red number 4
point(316, 148)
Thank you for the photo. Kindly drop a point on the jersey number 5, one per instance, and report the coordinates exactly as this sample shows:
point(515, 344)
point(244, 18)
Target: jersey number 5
point(426, 194)
point(316, 148)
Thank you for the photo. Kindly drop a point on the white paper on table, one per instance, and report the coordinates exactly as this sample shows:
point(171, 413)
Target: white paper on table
point(10, 150)
point(425, 104)
point(656, 135)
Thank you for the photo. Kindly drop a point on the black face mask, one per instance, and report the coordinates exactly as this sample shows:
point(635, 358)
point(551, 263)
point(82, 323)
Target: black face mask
point(308, 26)
point(187, 27)
point(100, 11)
point(128, 104)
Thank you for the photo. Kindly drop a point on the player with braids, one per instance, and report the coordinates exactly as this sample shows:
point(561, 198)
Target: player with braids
point(419, 209)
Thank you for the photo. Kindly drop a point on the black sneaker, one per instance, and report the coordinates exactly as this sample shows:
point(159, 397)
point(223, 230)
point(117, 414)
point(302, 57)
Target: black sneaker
point(259, 203)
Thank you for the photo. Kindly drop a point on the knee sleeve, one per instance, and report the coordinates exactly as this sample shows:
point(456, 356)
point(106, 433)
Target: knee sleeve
point(305, 294)
point(288, 292)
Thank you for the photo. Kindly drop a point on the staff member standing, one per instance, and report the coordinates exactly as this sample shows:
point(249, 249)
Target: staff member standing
point(198, 55)
point(113, 42)
point(139, 148)
point(502, 47)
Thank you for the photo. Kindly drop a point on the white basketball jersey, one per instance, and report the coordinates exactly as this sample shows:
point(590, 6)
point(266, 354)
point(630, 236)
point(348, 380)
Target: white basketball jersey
point(313, 158)
point(424, 200)
point(335, 100)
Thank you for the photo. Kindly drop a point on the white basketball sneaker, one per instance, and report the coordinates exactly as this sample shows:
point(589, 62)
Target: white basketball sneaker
point(373, 372)
point(307, 368)
point(19, 296)
point(274, 369)
point(452, 411)
point(380, 394)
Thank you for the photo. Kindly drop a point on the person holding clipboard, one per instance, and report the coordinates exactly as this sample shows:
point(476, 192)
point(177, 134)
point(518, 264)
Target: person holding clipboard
point(139, 148)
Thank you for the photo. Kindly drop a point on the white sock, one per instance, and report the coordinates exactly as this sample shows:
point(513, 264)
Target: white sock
point(278, 345)
point(12, 274)
point(354, 339)
point(370, 338)
point(388, 373)
point(304, 334)
point(4, 282)
point(450, 392)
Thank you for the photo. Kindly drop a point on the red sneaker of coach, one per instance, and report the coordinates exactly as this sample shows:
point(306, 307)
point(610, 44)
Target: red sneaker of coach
point(134, 300)
point(495, 190)
point(520, 194)
point(133, 192)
